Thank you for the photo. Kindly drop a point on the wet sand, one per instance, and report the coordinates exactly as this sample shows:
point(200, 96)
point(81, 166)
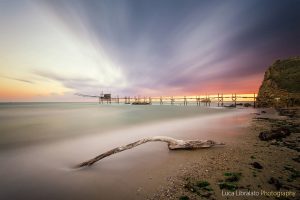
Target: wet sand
point(44, 171)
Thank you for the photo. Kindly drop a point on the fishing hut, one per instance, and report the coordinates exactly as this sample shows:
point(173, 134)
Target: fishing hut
point(105, 97)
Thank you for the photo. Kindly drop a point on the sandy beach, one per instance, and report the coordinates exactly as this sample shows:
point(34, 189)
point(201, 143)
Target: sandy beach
point(277, 177)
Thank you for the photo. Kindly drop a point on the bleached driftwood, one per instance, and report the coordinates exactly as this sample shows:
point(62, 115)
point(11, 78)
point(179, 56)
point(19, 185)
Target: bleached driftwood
point(173, 144)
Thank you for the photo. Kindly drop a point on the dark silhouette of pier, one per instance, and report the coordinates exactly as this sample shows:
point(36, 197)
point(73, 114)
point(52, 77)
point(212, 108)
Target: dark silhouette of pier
point(219, 99)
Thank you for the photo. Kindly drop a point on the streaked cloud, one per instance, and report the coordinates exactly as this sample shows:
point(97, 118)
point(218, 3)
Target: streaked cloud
point(147, 47)
point(18, 79)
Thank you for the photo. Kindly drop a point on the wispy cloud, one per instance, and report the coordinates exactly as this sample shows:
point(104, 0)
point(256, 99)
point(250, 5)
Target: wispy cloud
point(178, 44)
point(77, 84)
point(153, 47)
point(18, 79)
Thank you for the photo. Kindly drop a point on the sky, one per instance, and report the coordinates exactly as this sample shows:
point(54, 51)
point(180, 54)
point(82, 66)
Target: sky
point(50, 50)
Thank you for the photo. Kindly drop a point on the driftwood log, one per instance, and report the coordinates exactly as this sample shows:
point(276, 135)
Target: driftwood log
point(173, 144)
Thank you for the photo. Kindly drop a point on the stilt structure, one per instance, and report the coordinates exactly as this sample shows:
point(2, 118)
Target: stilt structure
point(172, 100)
point(220, 100)
point(181, 100)
point(233, 98)
point(101, 98)
point(184, 101)
point(198, 100)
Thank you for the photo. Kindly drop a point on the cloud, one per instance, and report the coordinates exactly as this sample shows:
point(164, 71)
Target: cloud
point(172, 46)
point(19, 79)
point(176, 44)
point(77, 84)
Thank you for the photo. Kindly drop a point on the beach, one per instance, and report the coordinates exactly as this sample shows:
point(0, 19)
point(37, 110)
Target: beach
point(276, 176)
point(149, 100)
point(43, 168)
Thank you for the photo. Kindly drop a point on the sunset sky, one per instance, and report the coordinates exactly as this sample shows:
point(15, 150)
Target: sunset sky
point(50, 50)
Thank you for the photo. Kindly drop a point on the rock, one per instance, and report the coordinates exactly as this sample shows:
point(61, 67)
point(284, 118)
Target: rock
point(274, 134)
point(184, 197)
point(264, 135)
point(230, 106)
point(206, 194)
point(289, 112)
point(297, 159)
point(280, 86)
point(274, 142)
point(140, 103)
point(275, 182)
point(228, 186)
point(257, 165)
point(247, 105)
point(292, 146)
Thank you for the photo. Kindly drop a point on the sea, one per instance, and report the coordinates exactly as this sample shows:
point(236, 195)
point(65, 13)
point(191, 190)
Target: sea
point(40, 143)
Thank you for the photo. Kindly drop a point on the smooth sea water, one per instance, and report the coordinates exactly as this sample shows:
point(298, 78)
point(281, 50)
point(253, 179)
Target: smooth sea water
point(40, 143)
point(30, 123)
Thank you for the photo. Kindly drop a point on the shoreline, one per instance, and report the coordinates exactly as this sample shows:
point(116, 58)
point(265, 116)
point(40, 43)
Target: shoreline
point(269, 179)
point(128, 175)
point(145, 170)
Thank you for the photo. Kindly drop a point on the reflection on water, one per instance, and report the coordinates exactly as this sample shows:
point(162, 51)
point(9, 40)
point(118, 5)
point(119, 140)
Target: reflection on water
point(39, 147)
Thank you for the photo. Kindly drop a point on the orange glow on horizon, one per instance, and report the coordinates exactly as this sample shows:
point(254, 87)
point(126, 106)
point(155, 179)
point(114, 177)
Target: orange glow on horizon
point(11, 90)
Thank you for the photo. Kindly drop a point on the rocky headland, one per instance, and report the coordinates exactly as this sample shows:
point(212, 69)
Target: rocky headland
point(281, 84)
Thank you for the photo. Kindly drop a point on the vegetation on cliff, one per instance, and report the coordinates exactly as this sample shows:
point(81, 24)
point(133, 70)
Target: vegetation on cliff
point(281, 84)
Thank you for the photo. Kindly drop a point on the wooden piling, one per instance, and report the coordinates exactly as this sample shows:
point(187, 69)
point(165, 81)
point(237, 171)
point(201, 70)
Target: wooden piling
point(198, 99)
point(172, 100)
point(233, 97)
point(182, 100)
point(222, 100)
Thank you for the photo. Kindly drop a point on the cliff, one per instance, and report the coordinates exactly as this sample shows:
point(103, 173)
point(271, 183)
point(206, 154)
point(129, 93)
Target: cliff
point(281, 84)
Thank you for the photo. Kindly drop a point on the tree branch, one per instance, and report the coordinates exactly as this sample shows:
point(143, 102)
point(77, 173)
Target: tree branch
point(173, 144)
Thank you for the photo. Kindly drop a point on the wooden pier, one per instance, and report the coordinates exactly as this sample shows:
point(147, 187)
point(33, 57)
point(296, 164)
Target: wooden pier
point(219, 100)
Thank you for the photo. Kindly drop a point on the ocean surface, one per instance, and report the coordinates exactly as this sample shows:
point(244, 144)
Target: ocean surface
point(40, 143)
